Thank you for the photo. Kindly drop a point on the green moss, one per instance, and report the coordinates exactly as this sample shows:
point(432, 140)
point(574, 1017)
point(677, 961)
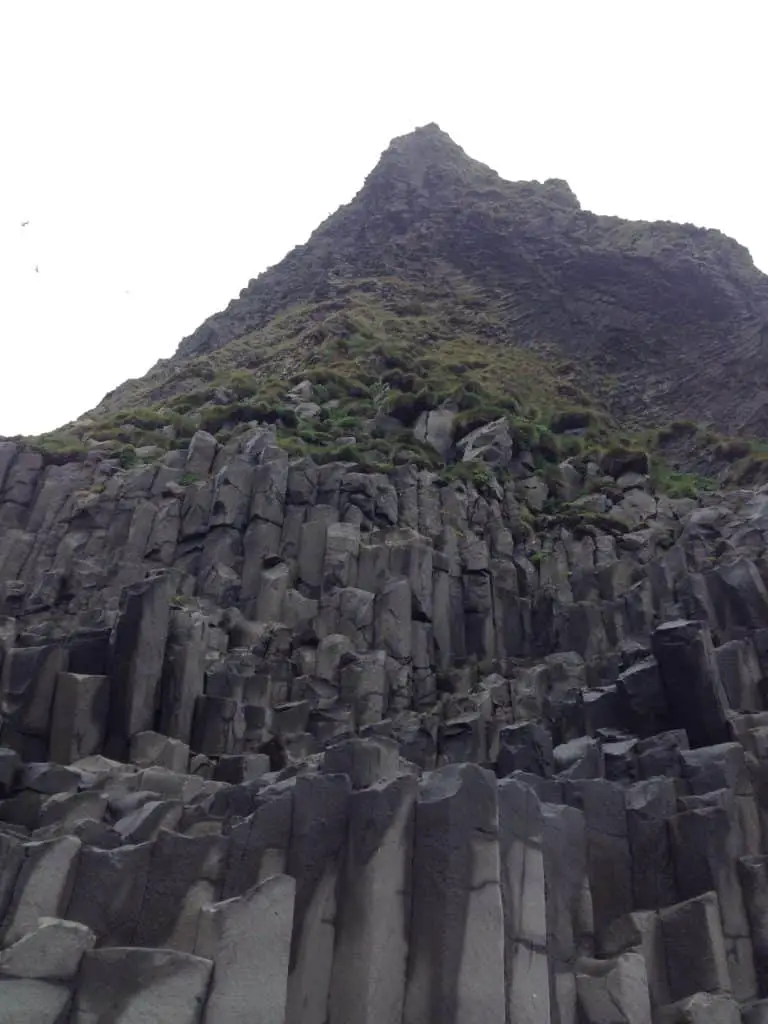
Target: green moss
point(675, 484)
point(126, 456)
point(477, 473)
point(547, 447)
point(395, 346)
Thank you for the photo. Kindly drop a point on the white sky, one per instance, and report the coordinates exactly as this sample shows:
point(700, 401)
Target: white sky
point(166, 151)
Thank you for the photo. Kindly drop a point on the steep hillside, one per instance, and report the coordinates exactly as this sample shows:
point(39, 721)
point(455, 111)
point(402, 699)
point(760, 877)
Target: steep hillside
point(660, 321)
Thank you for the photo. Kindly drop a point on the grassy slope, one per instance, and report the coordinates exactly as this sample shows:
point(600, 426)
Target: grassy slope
point(380, 348)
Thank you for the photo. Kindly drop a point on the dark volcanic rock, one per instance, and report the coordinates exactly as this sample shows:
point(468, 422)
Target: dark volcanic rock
point(353, 740)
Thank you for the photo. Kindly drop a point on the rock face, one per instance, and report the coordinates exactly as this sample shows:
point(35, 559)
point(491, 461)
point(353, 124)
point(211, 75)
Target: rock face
point(359, 742)
point(337, 747)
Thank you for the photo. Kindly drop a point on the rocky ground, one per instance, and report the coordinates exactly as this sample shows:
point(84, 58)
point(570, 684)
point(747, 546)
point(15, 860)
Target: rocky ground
point(299, 744)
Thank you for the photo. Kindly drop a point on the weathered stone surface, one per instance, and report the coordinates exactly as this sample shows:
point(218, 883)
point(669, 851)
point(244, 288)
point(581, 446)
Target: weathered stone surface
point(43, 777)
point(706, 845)
point(491, 443)
point(365, 761)
point(201, 453)
point(151, 748)
point(526, 748)
point(703, 1008)
point(27, 686)
point(695, 694)
point(43, 885)
point(269, 486)
point(643, 697)
point(753, 872)
point(333, 634)
point(25, 1001)
point(11, 859)
point(108, 892)
point(248, 938)
point(183, 672)
point(649, 806)
point(65, 810)
point(436, 428)
point(79, 719)
point(52, 951)
point(456, 965)
point(185, 874)
point(608, 851)
point(369, 965)
point(318, 831)
point(363, 686)
point(754, 1014)
point(570, 928)
point(523, 886)
point(259, 844)
point(393, 619)
point(740, 673)
point(145, 821)
point(9, 769)
point(695, 949)
point(126, 985)
point(218, 726)
point(137, 658)
point(641, 931)
point(614, 991)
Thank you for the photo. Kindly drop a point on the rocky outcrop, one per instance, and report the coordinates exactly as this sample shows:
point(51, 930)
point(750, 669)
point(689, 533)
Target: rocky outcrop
point(304, 745)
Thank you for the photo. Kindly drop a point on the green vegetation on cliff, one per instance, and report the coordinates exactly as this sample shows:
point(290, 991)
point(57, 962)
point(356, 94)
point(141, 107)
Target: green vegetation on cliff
point(443, 287)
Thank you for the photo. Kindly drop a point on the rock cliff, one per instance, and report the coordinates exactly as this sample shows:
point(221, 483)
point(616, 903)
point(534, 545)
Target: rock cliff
point(291, 737)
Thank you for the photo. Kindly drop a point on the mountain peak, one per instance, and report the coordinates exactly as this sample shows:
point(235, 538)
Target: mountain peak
point(424, 154)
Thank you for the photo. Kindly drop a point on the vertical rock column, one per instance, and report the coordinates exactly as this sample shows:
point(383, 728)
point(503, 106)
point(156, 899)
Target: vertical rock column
point(27, 688)
point(258, 844)
point(248, 938)
point(706, 846)
point(695, 695)
point(608, 850)
point(138, 647)
point(570, 927)
point(79, 718)
point(650, 804)
point(318, 833)
point(523, 889)
point(183, 673)
point(456, 964)
point(753, 872)
point(372, 928)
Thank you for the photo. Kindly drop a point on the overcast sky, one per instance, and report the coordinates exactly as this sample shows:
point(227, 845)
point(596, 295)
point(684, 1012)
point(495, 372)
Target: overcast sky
point(166, 151)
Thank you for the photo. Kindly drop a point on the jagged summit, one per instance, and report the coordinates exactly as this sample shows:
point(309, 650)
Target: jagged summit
point(422, 180)
point(428, 159)
point(426, 151)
